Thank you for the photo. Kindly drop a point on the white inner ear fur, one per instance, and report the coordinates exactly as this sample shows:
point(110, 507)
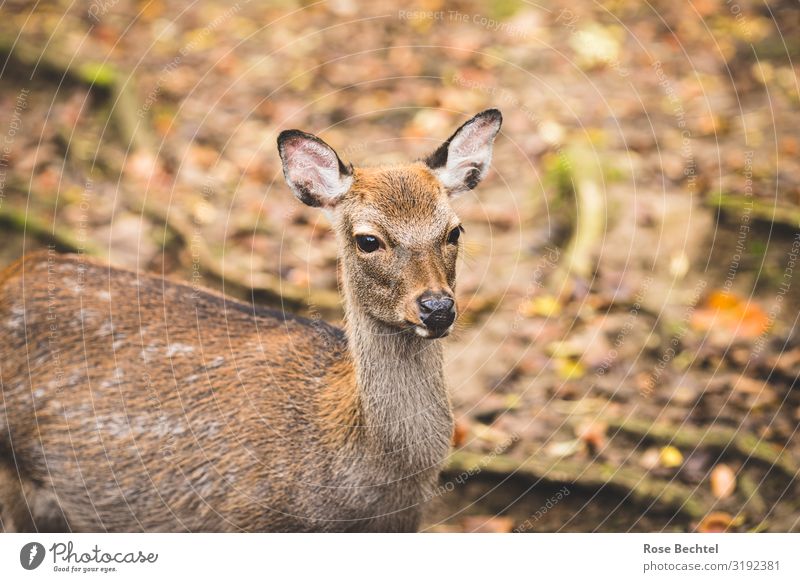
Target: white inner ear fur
point(313, 169)
point(468, 157)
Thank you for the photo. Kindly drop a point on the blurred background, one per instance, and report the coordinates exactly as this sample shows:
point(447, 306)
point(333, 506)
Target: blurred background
point(628, 355)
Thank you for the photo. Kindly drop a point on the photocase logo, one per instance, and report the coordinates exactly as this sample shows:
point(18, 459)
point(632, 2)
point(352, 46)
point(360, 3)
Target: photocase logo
point(31, 555)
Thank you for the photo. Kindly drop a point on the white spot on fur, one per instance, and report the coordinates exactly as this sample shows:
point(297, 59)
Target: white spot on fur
point(148, 352)
point(175, 349)
point(104, 295)
point(89, 315)
point(215, 363)
point(72, 284)
point(17, 319)
point(106, 329)
point(115, 425)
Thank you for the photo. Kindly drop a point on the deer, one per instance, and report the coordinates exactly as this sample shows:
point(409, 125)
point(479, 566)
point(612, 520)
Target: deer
point(134, 402)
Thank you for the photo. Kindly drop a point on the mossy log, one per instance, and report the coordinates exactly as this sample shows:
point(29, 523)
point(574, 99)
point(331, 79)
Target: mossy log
point(49, 233)
point(738, 204)
point(716, 438)
point(641, 487)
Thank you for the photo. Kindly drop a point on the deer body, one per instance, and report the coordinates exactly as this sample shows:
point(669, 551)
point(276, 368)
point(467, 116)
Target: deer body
point(130, 402)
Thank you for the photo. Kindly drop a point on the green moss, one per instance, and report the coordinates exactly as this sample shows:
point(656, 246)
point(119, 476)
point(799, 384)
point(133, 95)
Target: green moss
point(504, 9)
point(558, 173)
point(98, 74)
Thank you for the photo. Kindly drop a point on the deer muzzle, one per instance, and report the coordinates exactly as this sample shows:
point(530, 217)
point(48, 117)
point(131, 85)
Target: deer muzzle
point(437, 313)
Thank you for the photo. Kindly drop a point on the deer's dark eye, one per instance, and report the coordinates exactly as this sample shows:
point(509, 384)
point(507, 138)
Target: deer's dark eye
point(368, 243)
point(452, 238)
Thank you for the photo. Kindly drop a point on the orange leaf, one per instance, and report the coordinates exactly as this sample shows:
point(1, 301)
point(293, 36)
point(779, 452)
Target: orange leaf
point(732, 314)
point(487, 524)
point(460, 431)
point(717, 522)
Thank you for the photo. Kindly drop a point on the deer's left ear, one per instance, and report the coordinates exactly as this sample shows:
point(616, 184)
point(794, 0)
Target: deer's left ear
point(462, 161)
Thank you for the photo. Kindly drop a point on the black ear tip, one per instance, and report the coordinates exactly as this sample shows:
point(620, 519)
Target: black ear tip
point(288, 134)
point(492, 115)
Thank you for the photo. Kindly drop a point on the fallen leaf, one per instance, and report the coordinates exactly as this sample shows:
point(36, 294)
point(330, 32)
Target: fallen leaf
point(670, 457)
point(758, 393)
point(731, 314)
point(569, 369)
point(487, 524)
point(650, 459)
point(723, 481)
point(718, 522)
point(460, 431)
point(542, 306)
point(595, 45)
point(592, 434)
point(563, 448)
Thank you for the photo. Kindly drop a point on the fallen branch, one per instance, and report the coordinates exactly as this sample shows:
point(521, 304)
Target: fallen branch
point(583, 181)
point(641, 487)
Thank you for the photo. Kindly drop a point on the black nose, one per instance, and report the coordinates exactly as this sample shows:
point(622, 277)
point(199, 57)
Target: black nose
point(436, 310)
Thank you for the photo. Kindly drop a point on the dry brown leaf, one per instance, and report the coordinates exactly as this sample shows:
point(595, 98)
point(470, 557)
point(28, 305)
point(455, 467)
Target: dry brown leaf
point(593, 434)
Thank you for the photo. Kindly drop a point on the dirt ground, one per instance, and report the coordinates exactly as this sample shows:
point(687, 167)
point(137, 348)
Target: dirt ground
point(628, 355)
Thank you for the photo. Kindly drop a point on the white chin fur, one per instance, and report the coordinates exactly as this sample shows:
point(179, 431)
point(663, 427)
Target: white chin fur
point(423, 332)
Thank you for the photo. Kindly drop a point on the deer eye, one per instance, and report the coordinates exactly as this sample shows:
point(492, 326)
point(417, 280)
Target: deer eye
point(452, 238)
point(368, 243)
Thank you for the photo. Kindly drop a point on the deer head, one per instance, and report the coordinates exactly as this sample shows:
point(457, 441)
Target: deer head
point(398, 234)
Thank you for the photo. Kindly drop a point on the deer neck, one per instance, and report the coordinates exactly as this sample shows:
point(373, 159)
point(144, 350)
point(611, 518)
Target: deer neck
point(401, 396)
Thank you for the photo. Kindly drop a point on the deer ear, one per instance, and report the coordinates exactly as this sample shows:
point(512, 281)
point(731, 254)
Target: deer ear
point(312, 169)
point(462, 161)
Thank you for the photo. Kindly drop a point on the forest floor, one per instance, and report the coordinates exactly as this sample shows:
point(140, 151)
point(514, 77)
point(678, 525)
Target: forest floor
point(628, 355)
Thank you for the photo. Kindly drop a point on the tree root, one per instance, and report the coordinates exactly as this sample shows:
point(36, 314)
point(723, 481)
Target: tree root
point(48, 233)
point(642, 488)
point(718, 438)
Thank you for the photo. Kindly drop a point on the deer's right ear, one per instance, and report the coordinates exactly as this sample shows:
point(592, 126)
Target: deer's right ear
point(312, 169)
